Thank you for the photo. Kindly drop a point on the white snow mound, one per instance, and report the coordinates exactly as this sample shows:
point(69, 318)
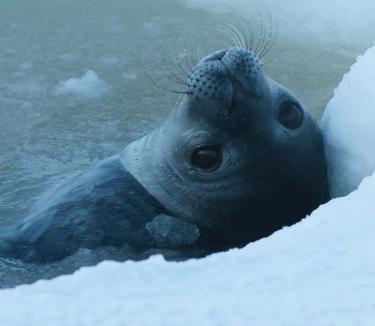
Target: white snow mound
point(349, 127)
point(88, 86)
point(321, 271)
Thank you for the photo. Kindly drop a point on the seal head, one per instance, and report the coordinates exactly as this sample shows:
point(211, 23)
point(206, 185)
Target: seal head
point(239, 156)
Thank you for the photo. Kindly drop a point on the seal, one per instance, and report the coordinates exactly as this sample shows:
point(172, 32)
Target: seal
point(238, 158)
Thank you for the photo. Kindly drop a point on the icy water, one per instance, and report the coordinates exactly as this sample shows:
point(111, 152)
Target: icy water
point(50, 130)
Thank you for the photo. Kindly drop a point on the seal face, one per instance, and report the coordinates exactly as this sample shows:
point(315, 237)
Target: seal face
point(238, 158)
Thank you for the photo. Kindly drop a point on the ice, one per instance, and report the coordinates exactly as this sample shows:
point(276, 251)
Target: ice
point(335, 21)
point(129, 75)
point(25, 88)
point(320, 271)
point(349, 127)
point(25, 65)
point(89, 86)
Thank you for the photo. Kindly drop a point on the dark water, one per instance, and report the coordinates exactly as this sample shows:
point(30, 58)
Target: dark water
point(48, 134)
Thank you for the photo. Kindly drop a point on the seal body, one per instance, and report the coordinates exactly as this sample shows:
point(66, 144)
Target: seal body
point(238, 158)
point(105, 206)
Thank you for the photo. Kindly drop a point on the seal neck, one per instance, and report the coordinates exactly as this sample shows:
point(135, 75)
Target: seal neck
point(145, 159)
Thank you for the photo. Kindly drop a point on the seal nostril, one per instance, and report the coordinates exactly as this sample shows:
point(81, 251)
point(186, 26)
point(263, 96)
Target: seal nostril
point(217, 56)
point(221, 55)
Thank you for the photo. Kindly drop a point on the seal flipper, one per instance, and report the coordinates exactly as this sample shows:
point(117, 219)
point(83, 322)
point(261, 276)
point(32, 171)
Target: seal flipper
point(170, 232)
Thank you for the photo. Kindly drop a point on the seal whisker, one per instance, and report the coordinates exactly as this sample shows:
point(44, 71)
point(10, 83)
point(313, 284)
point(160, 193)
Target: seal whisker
point(264, 64)
point(188, 64)
point(270, 39)
point(187, 57)
point(260, 37)
point(266, 40)
point(237, 34)
point(180, 68)
point(274, 37)
point(173, 76)
point(275, 34)
point(199, 55)
point(250, 33)
point(157, 84)
point(176, 76)
point(241, 35)
point(178, 72)
point(265, 37)
point(227, 45)
point(231, 37)
point(247, 32)
point(231, 33)
point(184, 69)
point(190, 58)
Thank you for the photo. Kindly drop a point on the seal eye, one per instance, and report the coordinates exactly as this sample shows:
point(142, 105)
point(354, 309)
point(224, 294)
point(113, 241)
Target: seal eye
point(206, 158)
point(290, 115)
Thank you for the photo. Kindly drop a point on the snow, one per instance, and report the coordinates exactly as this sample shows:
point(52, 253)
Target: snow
point(321, 271)
point(89, 86)
point(349, 127)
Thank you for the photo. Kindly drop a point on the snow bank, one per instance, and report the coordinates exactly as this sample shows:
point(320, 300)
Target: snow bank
point(335, 21)
point(349, 127)
point(321, 271)
point(88, 86)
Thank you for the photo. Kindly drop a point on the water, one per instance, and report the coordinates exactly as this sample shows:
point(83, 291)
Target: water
point(47, 135)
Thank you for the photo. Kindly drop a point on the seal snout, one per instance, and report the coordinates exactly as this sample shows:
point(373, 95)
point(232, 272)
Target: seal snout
point(241, 63)
point(225, 73)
